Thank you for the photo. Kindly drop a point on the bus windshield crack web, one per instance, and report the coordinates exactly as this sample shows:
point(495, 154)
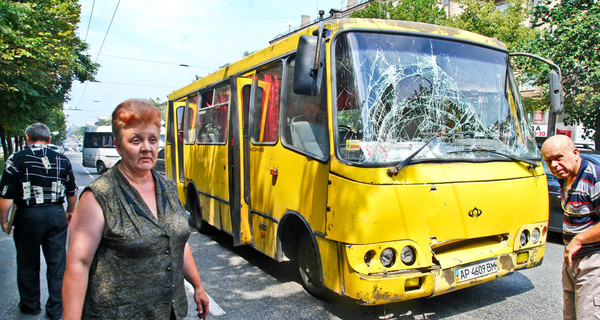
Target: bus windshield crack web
point(406, 104)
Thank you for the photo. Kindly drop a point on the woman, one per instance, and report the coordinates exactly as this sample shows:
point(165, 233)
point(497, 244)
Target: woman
point(128, 251)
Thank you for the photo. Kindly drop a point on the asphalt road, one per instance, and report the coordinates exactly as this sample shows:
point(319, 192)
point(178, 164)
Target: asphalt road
point(245, 284)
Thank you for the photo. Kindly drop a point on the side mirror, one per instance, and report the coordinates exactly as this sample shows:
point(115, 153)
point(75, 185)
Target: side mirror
point(556, 95)
point(307, 78)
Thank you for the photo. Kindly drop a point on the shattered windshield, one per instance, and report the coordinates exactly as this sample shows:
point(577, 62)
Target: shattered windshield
point(425, 99)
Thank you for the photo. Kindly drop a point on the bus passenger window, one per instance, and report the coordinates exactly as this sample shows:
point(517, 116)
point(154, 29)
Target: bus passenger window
point(265, 109)
point(190, 119)
point(212, 116)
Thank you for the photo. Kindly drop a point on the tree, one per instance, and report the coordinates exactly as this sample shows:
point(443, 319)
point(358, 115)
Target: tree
point(572, 40)
point(506, 25)
point(41, 56)
point(478, 16)
point(409, 10)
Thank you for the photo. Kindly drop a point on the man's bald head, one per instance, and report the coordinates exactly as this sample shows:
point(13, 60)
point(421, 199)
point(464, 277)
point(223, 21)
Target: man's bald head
point(561, 156)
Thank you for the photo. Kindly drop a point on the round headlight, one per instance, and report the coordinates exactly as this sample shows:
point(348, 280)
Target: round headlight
point(388, 257)
point(524, 237)
point(535, 235)
point(407, 255)
point(368, 257)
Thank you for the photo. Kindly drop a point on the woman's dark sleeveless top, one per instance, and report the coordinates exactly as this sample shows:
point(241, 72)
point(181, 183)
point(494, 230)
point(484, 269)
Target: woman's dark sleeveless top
point(137, 272)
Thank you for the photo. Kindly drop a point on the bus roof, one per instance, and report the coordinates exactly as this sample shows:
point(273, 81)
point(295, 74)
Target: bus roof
point(290, 43)
point(98, 129)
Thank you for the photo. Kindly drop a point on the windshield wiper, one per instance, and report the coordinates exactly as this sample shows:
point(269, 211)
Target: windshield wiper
point(394, 171)
point(532, 164)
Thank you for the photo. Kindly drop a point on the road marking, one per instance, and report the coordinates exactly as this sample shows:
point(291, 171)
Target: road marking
point(88, 173)
point(214, 308)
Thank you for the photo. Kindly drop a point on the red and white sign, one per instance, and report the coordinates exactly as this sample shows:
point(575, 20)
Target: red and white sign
point(540, 130)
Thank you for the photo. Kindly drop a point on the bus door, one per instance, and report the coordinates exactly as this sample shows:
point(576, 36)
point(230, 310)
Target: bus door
point(262, 158)
point(238, 189)
point(174, 145)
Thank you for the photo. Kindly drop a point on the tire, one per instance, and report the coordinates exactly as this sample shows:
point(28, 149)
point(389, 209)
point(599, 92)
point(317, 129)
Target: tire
point(196, 218)
point(101, 167)
point(310, 268)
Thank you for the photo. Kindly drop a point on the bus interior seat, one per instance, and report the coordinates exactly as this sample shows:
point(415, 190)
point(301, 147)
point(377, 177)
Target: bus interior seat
point(310, 137)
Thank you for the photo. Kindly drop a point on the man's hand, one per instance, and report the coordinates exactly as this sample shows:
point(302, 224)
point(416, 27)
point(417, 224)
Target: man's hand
point(69, 215)
point(571, 250)
point(6, 228)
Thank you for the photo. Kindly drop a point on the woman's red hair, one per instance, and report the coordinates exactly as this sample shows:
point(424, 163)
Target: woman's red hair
point(134, 112)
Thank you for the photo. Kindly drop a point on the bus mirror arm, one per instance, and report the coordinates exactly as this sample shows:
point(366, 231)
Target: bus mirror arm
point(556, 94)
point(310, 60)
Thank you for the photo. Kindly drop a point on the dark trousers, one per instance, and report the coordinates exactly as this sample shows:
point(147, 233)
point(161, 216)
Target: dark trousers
point(44, 226)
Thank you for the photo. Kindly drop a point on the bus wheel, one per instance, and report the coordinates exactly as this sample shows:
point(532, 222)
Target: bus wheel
point(196, 218)
point(100, 167)
point(309, 268)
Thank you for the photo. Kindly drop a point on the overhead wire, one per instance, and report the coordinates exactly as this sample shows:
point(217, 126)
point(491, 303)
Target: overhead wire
point(100, 50)
point(89, 21)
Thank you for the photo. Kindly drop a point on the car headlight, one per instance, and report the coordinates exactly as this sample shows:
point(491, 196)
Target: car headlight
point(524, 237)
point(388, 257)
point(407, 255)
point(535, 235)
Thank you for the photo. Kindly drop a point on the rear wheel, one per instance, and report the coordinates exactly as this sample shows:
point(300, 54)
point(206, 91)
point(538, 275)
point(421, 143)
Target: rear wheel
point(310, 269)
point(101, 167)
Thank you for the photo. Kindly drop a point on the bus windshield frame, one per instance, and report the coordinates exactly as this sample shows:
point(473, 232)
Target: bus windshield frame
point(425, 99)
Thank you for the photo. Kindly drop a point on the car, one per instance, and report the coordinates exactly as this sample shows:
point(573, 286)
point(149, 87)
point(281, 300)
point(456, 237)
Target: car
point(555, 217)
point(160, 161)
point(55, 148)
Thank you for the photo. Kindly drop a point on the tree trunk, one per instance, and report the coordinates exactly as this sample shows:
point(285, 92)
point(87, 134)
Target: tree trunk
point(18, 143)
point(3, 139)
point(597, 133)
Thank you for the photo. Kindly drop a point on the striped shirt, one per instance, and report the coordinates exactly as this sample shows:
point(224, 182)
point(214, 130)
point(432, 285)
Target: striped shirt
point(37, 175)
point(582, 205)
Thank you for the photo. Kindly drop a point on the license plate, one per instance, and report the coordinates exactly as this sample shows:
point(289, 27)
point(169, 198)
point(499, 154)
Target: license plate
point(476, 270)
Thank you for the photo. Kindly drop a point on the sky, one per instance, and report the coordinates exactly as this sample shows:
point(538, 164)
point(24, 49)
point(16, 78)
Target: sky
point(140, 52)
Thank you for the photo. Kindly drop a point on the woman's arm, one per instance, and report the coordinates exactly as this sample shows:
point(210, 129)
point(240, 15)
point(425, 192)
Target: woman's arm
point(85, 233)
point(190, 273)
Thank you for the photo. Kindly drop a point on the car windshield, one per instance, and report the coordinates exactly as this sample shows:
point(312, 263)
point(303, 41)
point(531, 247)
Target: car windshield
point(402, 96)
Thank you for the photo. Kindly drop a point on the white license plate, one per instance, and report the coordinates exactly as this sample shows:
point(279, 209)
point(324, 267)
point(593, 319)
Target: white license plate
point(476, 270)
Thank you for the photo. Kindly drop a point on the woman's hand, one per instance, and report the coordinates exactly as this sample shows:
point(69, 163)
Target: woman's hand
point(201, 299)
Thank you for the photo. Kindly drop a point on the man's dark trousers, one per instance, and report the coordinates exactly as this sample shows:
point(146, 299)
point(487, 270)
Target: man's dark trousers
point(46, 226)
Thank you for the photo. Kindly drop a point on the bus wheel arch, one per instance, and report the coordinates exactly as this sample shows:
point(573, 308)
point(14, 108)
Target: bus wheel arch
point(195, 209)
point(297, 241)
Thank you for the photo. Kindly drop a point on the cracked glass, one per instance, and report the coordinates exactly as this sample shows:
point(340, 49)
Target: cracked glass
point(402, 96)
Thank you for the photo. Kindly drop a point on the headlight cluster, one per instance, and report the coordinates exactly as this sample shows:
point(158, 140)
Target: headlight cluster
point(530, 237)
point(387, 257)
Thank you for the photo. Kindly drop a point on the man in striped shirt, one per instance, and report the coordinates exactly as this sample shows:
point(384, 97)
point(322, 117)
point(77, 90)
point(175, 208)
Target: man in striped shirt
point(37, 179)
point(580, 190)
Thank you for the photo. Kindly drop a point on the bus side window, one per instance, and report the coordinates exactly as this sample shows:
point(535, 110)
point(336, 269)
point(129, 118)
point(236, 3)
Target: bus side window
point(180, 124)
point(305, 120)
point(190, 119)
point(265, 110)
point(212, 116)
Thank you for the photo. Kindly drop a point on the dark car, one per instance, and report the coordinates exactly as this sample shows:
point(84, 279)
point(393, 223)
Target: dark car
point(160, 161)
point(555, 219)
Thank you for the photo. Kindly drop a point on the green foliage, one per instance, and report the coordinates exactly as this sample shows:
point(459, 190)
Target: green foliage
point(409, 10)
point(506, 25)
point(571, 38)
point(162, 106)
point(40, 57)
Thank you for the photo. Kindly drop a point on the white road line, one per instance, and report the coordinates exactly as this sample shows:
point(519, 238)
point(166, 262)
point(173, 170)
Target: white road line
point(214, 308)
point(88, 173)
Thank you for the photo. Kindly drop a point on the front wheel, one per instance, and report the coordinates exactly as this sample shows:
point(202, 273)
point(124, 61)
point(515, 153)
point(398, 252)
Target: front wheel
point(196, 218)
point(101, 167)
point(310, 269)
